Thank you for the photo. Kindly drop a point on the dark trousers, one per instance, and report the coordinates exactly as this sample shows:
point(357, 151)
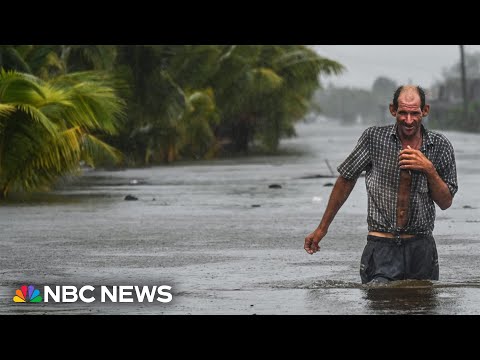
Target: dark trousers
point(385, 259)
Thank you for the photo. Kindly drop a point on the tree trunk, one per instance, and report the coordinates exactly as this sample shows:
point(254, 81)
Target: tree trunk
point(241, 134)
point(3, 192)
point(171, 153)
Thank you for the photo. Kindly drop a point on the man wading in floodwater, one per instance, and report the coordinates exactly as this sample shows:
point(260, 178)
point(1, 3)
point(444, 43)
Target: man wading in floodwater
point(408, 169)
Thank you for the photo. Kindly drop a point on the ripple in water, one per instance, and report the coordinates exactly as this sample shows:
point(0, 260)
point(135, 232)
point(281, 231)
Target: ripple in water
point(399, 284)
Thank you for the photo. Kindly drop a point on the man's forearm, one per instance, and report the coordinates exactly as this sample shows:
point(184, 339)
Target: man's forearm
point(440, 192)
point(339, 195)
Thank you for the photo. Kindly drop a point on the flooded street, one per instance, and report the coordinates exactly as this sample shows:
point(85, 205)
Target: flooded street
point(229, 244)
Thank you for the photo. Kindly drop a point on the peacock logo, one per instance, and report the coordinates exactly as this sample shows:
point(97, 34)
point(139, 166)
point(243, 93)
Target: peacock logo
point(27, 294)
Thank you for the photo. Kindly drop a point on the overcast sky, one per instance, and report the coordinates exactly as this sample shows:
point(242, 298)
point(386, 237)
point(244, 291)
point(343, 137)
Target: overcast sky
point(417, 64)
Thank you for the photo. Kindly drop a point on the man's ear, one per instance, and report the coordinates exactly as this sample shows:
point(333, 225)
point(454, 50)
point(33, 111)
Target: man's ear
point(426, 110)
point(392, 110)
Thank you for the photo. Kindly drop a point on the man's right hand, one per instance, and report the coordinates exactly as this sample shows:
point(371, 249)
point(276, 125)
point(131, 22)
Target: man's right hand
point(311, 241)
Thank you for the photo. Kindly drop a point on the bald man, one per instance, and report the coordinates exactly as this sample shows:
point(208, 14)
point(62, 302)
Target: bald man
point(409, 169)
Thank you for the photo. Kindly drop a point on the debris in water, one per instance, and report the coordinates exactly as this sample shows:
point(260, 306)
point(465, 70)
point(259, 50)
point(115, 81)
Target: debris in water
point(275, 186)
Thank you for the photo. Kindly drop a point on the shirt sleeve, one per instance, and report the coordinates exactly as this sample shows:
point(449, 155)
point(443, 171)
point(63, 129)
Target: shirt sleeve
point(447, 168)
point(358, 160)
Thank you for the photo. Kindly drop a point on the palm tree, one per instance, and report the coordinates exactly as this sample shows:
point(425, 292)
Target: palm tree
point(246, 92)
point(155, 104)
point(88, 57)
point(46, 127)
point(262, 90)
point(47, 61)
point(198, 122)
point(12, 58)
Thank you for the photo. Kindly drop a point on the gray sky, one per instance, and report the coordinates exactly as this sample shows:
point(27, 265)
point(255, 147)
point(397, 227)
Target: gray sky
point(417, 64)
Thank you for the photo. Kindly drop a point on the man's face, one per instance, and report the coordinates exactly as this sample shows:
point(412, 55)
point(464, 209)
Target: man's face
point(409, 114)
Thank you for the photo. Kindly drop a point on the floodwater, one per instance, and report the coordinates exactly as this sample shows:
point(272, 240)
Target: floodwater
point(227, 243)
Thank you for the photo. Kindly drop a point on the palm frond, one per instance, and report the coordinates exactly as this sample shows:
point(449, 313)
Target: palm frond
point(38, 116)
point(18, 86)
point(6, 109)
point(12, 59)
point(96, 151)
point(46, 128)
point(264, 80)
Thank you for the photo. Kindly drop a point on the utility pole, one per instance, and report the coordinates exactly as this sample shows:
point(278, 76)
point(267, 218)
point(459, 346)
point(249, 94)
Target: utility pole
point(464, 84)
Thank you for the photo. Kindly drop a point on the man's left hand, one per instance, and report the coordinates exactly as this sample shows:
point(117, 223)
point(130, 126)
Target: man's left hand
point(411, 159)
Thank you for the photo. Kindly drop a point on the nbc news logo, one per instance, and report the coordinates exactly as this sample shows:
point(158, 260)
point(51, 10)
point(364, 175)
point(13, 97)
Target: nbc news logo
point(71, 294)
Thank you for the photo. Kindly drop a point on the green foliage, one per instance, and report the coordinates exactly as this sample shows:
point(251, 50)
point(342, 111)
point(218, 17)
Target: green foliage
point(89, 57)
point(262, 90)
point(155, 102)
point(48, 61)
point(46, 127)
point(254, 92)
point(198, 123)
point(12, 58)
point(182, 101)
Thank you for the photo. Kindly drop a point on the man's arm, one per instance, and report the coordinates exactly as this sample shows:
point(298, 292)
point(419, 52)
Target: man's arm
point(411, 159)
point(339, 195)
point(440, 192)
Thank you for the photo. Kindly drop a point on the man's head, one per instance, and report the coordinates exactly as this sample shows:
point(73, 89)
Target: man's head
point(409, 108)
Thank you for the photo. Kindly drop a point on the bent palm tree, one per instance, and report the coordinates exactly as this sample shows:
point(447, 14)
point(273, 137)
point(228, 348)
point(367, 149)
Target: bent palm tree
point(262, 90)
point(46, 127)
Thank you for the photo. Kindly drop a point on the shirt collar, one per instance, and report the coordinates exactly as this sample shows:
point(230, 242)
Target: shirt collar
point(426, 138)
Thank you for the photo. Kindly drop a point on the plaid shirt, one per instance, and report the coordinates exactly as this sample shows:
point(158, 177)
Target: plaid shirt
point(377, 153)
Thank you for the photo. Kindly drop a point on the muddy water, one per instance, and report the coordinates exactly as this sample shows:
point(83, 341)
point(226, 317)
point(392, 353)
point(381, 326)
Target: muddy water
point(229, 244)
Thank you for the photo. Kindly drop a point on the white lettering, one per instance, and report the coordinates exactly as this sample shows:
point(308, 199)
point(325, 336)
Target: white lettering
point(69, 290)
point(82, 297)
point(123, 294)
point(112, 295)
point(164, 293)
point(49, 292)
point(145, 291)
point(125, 291)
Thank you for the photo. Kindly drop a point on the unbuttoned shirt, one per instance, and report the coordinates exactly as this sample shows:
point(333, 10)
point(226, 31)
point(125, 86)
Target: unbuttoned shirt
point(377, 153)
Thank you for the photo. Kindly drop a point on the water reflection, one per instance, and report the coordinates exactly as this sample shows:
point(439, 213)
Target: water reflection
point(411, 297)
